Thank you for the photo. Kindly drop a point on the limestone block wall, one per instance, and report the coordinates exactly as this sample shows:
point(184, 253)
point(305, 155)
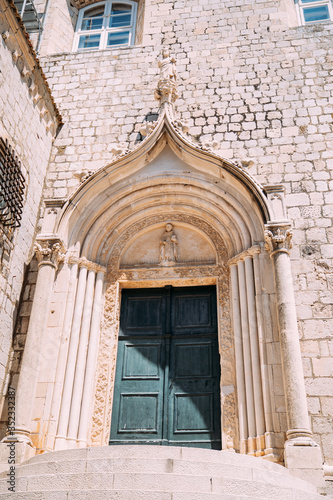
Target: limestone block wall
point(261, 87)
point(23, 124)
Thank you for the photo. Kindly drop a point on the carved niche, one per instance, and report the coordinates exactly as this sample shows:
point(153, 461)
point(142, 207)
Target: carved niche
point(168, 245)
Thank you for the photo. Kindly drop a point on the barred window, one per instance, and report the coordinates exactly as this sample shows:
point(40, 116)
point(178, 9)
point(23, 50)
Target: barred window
point(12, 184)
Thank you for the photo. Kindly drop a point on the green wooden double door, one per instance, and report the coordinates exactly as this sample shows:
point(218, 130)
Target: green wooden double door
point(168, 370)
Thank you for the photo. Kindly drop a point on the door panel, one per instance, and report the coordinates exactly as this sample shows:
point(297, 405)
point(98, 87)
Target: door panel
point(193, 413)
point(139, 391)
point(193, 359)
point(194, 397)
point(138, 413)
point(142, 312)
point(142, 361)
point(168, 375)
point(194, 312)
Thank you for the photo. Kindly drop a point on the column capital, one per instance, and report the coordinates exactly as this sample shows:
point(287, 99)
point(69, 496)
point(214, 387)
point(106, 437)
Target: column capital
point(255, 249)
point(49, 251)
point(278, 237)
point(84, 262)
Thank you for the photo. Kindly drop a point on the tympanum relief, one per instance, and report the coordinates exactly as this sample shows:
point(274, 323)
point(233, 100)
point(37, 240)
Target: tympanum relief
point(168, 245)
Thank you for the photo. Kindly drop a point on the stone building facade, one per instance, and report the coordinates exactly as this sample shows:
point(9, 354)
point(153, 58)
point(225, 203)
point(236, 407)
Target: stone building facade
point(230, 143)
point(26, 105)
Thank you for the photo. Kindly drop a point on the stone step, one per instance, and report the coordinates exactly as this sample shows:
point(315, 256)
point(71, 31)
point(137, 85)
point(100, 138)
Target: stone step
point(160, 466)
point(120, 495)
point(153, 473)
point(141, 495)
point(262, 485)
point(154, 465)
point(151, 452)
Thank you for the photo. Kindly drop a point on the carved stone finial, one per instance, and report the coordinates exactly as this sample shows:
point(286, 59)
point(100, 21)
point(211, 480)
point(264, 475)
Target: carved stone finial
point(120, 150)
point(16, 55)
point(147, 128)
point(208, 145)
point(168, 247)
point(167, 88)
point(278, 238)
point(182, 125)
point(43, 113)
point(49, 252)
point(33, 89)
point(51, 128)
point(6, 35)
point(83, 175)
point(243, 163)
point(247, 163)
point(25, 73)
point(36, 98)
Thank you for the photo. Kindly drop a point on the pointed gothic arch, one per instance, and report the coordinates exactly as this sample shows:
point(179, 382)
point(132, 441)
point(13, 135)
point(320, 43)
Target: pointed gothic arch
point(168, 179)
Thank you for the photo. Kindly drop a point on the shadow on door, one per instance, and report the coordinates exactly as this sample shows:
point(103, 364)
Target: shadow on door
point(167, 387)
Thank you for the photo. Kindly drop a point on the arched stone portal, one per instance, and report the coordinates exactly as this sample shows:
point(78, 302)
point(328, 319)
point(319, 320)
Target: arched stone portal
point(214, 218)
point(113, 227)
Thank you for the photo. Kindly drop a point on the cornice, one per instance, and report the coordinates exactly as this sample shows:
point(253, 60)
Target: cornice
point(25, 58)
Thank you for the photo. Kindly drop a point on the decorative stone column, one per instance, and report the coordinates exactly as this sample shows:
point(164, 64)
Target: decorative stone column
point(81, 358)
point(240, 376)
point(60, 441)
point(302, 454)
point(49, 252)
point(88, 387)
point(248, 364)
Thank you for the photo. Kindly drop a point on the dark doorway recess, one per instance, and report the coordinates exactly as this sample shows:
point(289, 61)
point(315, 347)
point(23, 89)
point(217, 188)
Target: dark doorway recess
point(167, 387)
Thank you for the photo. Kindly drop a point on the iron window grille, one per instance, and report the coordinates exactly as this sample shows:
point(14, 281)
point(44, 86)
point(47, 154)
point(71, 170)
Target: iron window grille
point(12, 185)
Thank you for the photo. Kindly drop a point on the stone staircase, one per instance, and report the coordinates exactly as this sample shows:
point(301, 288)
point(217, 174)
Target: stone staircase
point(152, 473)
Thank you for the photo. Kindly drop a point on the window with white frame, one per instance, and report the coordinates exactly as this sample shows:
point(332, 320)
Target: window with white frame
point(314, 11)
point(105, 24)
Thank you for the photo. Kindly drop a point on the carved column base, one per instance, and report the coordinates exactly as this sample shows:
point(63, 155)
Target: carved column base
point(260, 442)
point(305, 461)
point(243, 446)
point(60, 443)
point(272, 453)
point(19, 435)
point(300, 437)
point(251, 446)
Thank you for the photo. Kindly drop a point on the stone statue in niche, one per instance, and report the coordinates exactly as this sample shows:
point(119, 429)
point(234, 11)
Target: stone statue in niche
point(167, 88)
point(168, 247)
point(167, 67)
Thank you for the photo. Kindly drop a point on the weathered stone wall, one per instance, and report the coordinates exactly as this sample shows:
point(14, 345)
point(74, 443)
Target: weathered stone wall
point(21, 123)
point(262, 88)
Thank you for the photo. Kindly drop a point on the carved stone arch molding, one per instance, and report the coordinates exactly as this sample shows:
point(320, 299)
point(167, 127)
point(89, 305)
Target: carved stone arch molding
point(184, 275)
